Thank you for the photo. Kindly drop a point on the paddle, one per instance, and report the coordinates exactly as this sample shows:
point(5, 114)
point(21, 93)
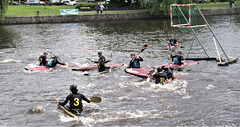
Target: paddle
point(145, 46)
point(92, 99)
point(90, 59)
point(167, 65)
point(95, 99)
point(110, 69)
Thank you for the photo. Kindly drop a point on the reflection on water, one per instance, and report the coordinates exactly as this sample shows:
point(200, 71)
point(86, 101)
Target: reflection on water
point(6, 38)
point(207, 95)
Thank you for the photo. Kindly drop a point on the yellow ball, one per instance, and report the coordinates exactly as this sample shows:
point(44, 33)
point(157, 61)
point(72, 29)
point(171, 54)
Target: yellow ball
point(40, 109)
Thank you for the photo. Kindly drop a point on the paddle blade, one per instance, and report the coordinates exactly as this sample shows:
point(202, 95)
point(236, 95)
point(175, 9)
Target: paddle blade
point(110, 69)
point(144, 47)
point(86, 74)
point(96, 99)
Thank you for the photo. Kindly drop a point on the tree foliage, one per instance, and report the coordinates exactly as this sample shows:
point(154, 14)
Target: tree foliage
point(3, 7)
point(161, 7)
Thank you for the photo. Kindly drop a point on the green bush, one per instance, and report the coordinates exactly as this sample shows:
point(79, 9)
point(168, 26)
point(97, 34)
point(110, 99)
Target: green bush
point(91, 5)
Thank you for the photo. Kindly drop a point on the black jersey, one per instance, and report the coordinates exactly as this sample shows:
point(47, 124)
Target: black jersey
point(159, 78)
point(42, 60)
point(75, 101)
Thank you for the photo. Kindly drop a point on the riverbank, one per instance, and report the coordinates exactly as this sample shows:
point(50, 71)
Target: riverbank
point(102, 17)
point(23, 10)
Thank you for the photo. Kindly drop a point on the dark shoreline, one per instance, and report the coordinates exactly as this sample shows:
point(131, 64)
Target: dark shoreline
point(104, 17)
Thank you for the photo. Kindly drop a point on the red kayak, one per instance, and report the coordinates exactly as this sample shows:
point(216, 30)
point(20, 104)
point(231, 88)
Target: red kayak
point(93, 67)
point(140, 72)
point(171, 47)
point(175, 65)
point(40, 68)
point(145, 73)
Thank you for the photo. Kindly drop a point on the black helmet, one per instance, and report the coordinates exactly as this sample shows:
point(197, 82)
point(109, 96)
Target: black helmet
point(132, 54)
point(99, 53)
point(159, 69)
point(73, 87)
point(55, 57)
point(179, 52)
point(102, 57)
point(45, 53)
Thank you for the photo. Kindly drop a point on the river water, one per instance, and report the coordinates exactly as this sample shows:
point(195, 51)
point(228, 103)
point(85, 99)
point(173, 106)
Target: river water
point(204, 95)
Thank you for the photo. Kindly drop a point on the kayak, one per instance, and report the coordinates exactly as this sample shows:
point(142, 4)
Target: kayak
point(171, 47)
point(140, 72)
point(106, 71)
point(69, 112)
point(175, 65)
point(93, 67)
point(40, 68)
point(145, 73)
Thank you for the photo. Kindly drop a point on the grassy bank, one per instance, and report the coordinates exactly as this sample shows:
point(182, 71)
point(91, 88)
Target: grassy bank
point(218, 5)
point(55, 10)
point(31, 10)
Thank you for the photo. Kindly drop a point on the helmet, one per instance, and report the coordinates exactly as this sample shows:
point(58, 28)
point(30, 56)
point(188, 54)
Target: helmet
point(102, 57)
point(73, 87)
point(45, 53)
point(55, 57)
point(179, 52)
point(132, 54)
point(159, 69)
point(99, 53)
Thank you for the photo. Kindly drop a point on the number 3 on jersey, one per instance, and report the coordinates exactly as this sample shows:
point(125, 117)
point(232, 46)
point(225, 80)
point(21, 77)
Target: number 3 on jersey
point(76, 101)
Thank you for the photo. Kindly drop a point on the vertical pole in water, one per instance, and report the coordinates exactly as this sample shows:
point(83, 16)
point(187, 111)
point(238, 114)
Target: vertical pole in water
point(217, 50)
point(193, 30)
point(171, 15)
point(213, 33)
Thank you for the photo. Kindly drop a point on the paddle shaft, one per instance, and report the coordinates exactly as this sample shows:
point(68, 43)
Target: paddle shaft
point(92, 99)
point(167, 65)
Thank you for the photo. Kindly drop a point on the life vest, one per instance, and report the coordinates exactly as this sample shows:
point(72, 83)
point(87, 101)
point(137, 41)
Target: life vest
point(135, 64)
point(165, 72)
point(172, 42)
point(42, 60)
point(176, 60)
point(50, 62)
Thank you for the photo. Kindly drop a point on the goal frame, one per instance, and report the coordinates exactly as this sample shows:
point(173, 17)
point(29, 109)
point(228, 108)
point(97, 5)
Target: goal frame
point(189, 24)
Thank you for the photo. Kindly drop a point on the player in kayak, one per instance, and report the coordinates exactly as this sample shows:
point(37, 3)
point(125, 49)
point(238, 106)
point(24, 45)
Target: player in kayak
point(168, 72)
point(159, 76)
point(134, 63)
point(178, 59)
point(101, 64)
point(173, 42)
point(54, 61)
point(43, 59)
point(75, 99)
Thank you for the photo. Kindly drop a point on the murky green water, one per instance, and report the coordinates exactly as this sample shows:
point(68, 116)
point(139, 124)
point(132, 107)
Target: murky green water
point(207, 95)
